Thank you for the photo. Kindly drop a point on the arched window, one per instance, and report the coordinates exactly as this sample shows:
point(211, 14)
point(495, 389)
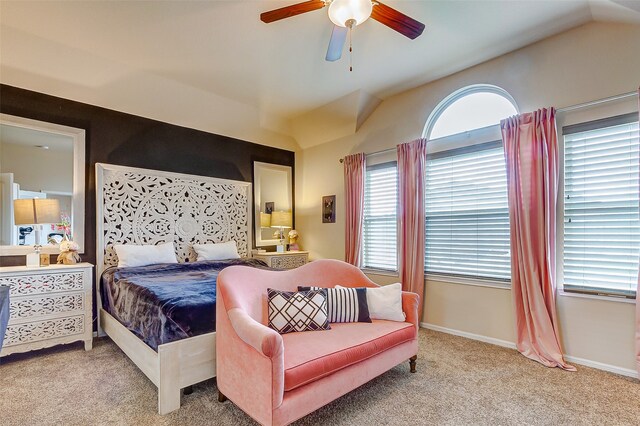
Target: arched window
point(470, 108)
point(466, 209)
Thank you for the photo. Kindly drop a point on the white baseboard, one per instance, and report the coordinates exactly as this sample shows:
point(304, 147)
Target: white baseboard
point(506, 344)
point(472, 336)
point(601, 366)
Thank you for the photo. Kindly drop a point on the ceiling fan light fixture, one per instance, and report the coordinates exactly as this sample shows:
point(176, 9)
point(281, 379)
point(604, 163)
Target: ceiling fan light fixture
point(342, 11)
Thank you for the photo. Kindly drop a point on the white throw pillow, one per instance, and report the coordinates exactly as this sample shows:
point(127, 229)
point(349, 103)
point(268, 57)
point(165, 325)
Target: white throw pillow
point(134, 255)
point(385, 302)
point(222, 251)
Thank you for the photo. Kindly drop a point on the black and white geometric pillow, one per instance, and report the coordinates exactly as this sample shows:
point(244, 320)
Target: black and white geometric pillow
point(291, 311)
point(345, 304)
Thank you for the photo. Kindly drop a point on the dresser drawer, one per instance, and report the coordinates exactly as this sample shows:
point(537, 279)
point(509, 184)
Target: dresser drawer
point(285, 260)
point(43, 330)
point(26, 285)
point(39, 306)
point(288, 262)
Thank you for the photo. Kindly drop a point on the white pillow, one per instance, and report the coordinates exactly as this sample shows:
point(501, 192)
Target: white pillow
point(385, 302)
point(228, 250)
point(134, 255)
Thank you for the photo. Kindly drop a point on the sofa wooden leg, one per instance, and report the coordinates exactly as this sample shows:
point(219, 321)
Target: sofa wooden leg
point(188, 390)
point(221, 397)
point(412, 363)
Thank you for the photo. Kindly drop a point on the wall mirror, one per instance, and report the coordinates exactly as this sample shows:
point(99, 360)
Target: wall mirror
point(40, 160)
point(273, 193)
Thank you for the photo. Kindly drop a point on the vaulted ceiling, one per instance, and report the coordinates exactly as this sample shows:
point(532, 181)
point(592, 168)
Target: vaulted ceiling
point(219, 53)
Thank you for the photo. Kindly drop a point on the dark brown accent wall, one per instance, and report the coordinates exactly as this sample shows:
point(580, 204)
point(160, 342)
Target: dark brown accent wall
point(117, 138)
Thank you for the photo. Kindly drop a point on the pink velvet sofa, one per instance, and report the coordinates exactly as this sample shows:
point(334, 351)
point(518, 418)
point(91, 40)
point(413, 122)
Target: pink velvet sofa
point(277, 379)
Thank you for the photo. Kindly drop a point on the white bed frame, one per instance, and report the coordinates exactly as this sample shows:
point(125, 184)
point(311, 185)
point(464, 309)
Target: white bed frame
point(139, 206)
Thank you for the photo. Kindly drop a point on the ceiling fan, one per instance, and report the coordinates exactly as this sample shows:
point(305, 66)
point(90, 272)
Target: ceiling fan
point(346, 14)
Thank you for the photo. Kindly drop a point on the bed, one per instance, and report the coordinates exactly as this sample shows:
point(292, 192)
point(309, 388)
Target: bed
point(164, 303)
point(140, 206)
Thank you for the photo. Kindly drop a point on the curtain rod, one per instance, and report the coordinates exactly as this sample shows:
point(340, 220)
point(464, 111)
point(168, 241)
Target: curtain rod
point(598, 102)
point(565, 109)
point(384, 151)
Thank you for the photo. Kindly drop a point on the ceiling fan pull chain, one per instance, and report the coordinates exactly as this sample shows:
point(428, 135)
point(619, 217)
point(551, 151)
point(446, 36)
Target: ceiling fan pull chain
point(350, 52)
point(350, 24)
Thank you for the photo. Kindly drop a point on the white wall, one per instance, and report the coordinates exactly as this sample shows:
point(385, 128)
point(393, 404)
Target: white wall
point(590, 62)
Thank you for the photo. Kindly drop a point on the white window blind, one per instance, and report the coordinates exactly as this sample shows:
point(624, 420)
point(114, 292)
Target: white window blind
point(380, 225)
point(467, 214)
point(601, 221)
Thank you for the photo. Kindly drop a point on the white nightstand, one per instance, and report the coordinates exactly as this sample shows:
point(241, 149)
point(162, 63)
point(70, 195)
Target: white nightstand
point(48, 306)
point(286, 260)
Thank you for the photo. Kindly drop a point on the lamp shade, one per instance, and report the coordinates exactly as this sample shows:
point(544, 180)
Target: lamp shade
point(35, 211)
point(281, 220)
point(341, 11)
point(265, 220)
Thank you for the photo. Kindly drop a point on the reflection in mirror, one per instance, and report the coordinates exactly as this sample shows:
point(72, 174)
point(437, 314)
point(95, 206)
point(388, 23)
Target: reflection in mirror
point(44, 162)
point(273, 192)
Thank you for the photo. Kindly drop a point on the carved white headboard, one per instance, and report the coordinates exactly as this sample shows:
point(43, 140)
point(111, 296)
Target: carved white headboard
point(141, 206)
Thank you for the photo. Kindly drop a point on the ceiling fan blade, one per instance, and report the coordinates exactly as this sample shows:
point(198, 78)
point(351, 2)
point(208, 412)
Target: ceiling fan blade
point(396, 21)
point(336, 44)
point(293, 10)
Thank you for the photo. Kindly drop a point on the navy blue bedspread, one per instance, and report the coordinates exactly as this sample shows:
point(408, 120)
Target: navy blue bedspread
point(4, 311)
point(166, 302)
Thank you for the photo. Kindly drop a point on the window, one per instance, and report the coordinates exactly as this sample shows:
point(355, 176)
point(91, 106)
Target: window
point(468, 109)
point(467, 215)
point(380, 225)
point(466, 206)
point(601, 221)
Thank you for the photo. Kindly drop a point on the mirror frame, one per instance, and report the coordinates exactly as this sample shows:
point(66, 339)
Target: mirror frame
point(257, 168)
point(78, 197)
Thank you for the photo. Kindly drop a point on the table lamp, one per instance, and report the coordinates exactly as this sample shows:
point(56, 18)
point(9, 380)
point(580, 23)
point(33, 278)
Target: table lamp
point(265, 220)
point(36, 211)
point(281, 220)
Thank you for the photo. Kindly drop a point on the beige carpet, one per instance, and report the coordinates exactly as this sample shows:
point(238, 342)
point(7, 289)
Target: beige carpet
point(459, 382)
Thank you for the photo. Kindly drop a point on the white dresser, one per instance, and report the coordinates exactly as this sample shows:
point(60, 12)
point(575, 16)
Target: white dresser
point(48, 306)
point(286, 260)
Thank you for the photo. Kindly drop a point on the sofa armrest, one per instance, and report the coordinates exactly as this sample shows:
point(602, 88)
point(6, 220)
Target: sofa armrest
point(410, 306)
point(249, 355)
point(263, 339)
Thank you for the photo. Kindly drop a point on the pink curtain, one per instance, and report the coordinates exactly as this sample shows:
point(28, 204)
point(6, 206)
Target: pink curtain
point(354, 172)
point(638, 299)
point(412, 162)
point(531, 153)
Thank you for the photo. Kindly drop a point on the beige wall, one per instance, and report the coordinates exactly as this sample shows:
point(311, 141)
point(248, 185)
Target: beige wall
point(38, 169)
point(598, 330)
point(590, 62)
point(87, 76)
point(275, 188)
point(320, 174)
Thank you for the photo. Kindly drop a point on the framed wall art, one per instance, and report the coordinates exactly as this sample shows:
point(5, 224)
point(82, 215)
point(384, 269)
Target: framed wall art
point(329, 209)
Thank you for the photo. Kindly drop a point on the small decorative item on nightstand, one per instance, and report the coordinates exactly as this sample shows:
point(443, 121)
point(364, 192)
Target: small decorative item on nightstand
point(68, 253)
point(293, 238)
point(45, 259)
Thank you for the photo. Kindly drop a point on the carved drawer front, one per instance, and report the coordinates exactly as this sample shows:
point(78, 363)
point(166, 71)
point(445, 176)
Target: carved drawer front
point(43, 330)
point(287, 262)
point(23, 285)
point(46, 305)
